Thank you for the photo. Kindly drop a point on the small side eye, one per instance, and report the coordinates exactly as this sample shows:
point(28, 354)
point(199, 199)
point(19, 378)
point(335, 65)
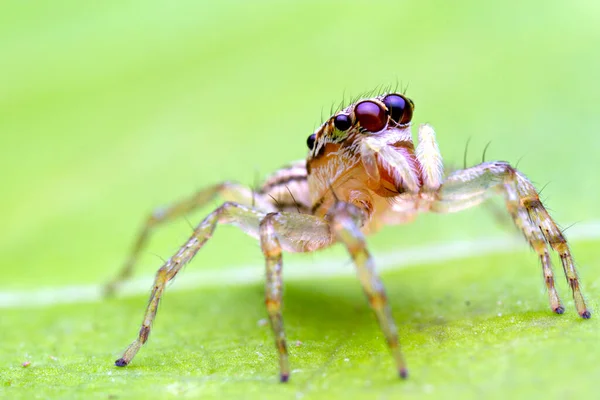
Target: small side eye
point(401, 108)
point(310, 142)
point(370, 116)
point(342, 122)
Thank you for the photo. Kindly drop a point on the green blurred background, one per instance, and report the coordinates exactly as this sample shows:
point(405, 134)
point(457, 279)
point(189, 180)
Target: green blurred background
point(108, 109)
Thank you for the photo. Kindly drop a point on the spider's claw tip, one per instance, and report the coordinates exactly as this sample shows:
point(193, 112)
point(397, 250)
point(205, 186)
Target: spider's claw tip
point(284, 378)
point(586, 314)
point(403, 373)
point(559, 310)
point(121, 362)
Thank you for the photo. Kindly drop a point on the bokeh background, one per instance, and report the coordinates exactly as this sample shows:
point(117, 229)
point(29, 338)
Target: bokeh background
point(109, 109)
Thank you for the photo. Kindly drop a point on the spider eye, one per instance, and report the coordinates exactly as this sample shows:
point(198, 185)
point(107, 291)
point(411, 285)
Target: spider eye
point(342, 122)
point(370, 116)
point(400, 108)
point(310, 142)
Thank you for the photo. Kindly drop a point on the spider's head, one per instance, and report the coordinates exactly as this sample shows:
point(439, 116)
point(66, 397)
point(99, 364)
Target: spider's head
point(380, 116)
point(367, 146)
point(363, 153)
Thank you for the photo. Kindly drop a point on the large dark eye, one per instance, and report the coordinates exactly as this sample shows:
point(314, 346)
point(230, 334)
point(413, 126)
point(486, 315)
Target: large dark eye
point(370, 116)
point(342, 122)
point(400, 108)
point(310, 142)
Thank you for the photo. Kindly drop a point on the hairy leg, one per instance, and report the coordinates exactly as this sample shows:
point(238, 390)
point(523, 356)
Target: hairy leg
point(295, 233)
point(245, 217)
point(229, 191)
point(345, 224)
point(271, 248)
point(292, 232)
point(288, 231)
point(469, 187)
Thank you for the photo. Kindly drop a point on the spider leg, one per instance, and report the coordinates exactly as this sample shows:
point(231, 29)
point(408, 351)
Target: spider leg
point(245, 217)
point(271, 248)
point(294, 233)
point(300, 233)
point(229, 191)
point(280, 231)
point(345, 224)
point(469, 187)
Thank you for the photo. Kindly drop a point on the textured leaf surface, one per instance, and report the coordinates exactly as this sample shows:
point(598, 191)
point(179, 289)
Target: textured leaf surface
point(112, 108)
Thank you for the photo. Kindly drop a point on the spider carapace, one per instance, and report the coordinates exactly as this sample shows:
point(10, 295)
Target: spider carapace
point(362, 172)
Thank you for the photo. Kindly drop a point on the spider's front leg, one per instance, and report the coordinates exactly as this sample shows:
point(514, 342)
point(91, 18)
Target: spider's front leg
point(278, 231)
point(471, 186)
point(271, 248)
point(303, 233)
point(346, 220)
point(245, 217)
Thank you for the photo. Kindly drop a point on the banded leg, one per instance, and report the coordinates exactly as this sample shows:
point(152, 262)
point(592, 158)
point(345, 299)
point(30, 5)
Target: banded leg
point(469, 187)
point(273, 290)
point(294, 233)
point(246, 218)
point(533, 234)
point(345, 222)
point(288, 231)
point(229, 191)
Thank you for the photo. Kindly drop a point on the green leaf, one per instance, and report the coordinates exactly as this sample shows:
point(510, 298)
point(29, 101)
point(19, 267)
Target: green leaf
point(112, 108)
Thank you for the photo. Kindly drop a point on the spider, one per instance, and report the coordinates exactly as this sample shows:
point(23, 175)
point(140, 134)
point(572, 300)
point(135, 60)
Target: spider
point(362, 172)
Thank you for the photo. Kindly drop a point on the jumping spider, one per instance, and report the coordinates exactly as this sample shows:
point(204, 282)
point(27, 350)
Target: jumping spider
point(362, 172)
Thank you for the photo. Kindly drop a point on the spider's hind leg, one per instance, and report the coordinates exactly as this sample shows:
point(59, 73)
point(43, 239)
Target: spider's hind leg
point(229, 191)
point(471, 186)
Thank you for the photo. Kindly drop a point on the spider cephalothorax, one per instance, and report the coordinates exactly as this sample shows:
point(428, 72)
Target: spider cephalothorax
point(357, 151)
point(362, 171)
